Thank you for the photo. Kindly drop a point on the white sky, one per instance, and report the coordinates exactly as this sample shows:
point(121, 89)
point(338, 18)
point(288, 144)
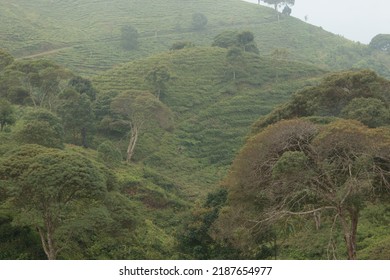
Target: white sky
point(357, 20)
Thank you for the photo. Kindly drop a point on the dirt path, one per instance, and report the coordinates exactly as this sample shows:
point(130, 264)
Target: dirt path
point(43, 53)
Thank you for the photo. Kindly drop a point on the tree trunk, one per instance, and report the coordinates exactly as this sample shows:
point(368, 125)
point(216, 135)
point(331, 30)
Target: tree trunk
point(350, 232)
point(47, 243)
point(132, 143)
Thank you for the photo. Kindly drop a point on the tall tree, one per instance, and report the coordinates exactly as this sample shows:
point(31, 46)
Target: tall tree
point(77, 115)
point(49, 188)
point(139, 110)
point(129, 37)
point(295, 168)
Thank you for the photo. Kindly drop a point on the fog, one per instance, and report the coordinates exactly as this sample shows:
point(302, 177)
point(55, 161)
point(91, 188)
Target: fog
point(356, 20)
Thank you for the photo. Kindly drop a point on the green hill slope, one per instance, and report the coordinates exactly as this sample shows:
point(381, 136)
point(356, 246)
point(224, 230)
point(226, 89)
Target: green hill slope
point(213, 112)
point(85, 34)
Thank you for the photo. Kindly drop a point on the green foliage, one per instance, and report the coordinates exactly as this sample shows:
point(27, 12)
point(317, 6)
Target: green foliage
point(178, 164)
point(49, 187)
point(291, 162)
point(140, 111)
point(5, 59)
point(370, 111)
point(234, 39)
point(338, 95)
point(40, 127)
point(72, 40)
point(294, 168)
point(83, 86)
point(129, 37)
point(7, 116)
point(36, 83)
point(77, 114)
point(381, 42)
point(17, 242)
point(157, 78)
point(196, 241)
point(109, 154)
point(181, 45)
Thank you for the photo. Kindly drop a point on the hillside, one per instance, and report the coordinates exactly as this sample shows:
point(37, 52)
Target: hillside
point(84, 35)
point(153, 132)
point(213, 112)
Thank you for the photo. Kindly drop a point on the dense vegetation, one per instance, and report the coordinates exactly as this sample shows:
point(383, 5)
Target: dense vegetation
point(140, 138)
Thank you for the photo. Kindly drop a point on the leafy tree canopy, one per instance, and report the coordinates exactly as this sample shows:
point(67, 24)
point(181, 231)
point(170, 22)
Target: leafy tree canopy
point(332, 96)
point(279, 3)
point(381, 42)
point(244, 40)
point(295, 168)
point(41, 127)
point(48, 188)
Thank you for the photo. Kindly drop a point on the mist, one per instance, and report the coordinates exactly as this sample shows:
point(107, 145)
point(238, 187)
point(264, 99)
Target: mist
point(355, 20)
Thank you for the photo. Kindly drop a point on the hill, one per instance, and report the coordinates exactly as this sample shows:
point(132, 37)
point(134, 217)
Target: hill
point(213, 112)
point(203, 106)
point(85, 35)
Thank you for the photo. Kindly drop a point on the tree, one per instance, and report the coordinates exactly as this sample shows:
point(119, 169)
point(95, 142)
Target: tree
point(295, 168)
point(381, 42)
point(157, 79)
point(129, 37)
point(77, 115)
point(41, 127)
point(279, 3)
point(6, 114)
point(139, 110)
point(286, 10)
point(332, 95)
point(199, 21)
point(82, 85)
point(244, 40)
point(49, 188)
point(36, 83)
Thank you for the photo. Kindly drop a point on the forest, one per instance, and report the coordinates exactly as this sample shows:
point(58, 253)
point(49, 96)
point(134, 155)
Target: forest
point(208, 129)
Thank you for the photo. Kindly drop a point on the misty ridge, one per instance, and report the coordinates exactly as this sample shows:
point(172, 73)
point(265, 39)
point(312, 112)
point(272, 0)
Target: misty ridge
point(176, 129)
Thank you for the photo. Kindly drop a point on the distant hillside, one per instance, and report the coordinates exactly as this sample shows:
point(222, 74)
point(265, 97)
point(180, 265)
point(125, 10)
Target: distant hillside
point(213, 112)
point(85, 34)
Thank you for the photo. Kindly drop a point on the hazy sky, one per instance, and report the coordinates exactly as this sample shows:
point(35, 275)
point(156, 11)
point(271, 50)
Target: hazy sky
point(356, 20)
